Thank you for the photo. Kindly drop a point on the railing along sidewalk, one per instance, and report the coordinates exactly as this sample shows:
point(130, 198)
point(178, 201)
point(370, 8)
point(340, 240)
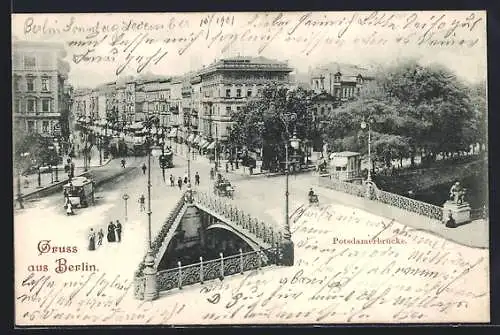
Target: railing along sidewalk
point(370, 191)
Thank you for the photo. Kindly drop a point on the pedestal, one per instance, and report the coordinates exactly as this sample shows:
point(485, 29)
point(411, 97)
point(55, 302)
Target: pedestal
point(459, 212)
point(287, 250)
point(151, 285)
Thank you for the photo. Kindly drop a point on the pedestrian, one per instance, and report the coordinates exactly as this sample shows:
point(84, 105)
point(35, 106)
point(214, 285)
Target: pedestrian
point(142, 200)
point(197, 179)
point(92, 239)
point(185, 179)
point(212, 173)
point(144, 168)
point(172, 181)
point(227, 167)
point(118, 231)
point(123, 163)
point(69, 208)
point(179, 183)
point(26, 182)
point(111, 232)
point(451, 223)
point(232, 165)
point(100, 236)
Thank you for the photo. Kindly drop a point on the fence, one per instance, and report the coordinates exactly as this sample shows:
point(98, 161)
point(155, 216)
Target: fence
point(158, 241)
point(411, 205)
point(371, 192)
point(238, 217)
point(337, 185)
point(215, 269)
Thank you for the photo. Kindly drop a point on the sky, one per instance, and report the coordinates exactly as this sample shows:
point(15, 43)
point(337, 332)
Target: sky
point(303, 39)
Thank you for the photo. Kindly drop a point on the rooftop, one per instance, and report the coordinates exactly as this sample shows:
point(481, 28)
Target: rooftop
point(246, 63)
point(346, 70)
point(344, 154)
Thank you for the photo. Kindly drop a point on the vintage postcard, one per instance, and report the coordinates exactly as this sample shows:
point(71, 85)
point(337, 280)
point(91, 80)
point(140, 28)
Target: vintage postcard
point(250, 168)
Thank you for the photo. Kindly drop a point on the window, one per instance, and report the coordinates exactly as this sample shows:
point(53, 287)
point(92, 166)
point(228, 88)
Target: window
point(238, 93)
point(31, 126)
point(249, 93)
point(46, 105)
point(45, 126)
point(17, 86)
point(45, 84)
point(29, 61)
point(228, 109)
point(17, 103)
point(228, 93)
point(337, 78)
point(30, 84)
point(30, 106)
point(238, 108)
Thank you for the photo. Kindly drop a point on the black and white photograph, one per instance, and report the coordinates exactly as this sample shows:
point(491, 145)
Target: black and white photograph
point(250, 168)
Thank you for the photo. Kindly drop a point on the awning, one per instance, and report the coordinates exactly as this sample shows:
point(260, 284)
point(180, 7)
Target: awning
point(173, 133)
point(190, 138)
point(203, 143)
point(137, 125)
point(211, 146)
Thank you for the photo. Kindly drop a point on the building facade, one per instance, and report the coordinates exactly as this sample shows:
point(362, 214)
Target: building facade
point(228, 84)
point(343, 81)
point(39, 74)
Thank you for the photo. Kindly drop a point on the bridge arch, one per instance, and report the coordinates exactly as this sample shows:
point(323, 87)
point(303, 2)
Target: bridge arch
point(221, 225)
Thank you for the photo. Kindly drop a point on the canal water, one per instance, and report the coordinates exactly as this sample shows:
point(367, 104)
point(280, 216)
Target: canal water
point(476, 196)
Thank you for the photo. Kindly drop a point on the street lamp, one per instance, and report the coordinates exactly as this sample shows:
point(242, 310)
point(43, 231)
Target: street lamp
point(364, 125)
point(39, 177)
point(155, 151)
point(125, 198)
point(287, 243)
point(51, 166)
point(58, 145)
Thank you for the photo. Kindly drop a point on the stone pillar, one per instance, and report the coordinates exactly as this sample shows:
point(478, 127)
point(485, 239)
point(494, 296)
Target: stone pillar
point(151, 286)
point(459, 212)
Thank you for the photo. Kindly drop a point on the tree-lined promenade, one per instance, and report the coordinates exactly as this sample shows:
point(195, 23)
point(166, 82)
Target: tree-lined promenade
point(414, 111)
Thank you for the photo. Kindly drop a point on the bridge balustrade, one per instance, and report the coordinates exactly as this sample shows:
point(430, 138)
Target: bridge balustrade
point(233, 215)
point(370, 191)
point(215, 269)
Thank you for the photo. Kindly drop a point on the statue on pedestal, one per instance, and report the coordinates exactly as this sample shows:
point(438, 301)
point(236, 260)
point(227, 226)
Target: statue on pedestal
point(456, 206)
point(457, 193)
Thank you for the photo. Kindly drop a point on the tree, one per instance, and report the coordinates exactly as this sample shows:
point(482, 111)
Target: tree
point(33, 149)
point(415, 109)
point(262, 124)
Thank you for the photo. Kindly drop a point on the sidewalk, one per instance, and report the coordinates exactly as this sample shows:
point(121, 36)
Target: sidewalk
point(241, 171)
point(48, 182)
point(473, 234)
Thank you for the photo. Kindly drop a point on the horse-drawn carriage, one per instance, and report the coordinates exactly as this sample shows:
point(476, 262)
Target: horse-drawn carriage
point(223, 188)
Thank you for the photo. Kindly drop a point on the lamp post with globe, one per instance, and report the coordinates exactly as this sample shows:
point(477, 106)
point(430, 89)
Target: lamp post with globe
point(287, 245)
point(365, 125)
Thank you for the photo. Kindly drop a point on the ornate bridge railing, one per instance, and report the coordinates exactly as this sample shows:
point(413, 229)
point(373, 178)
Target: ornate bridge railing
point(167, 225)
point(337, 185)
point(369, 190)
point(215, 269)
point(233, 215)
point(411, 205)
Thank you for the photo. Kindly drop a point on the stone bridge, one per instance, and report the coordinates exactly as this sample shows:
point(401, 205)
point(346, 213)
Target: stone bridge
point(196, 228)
